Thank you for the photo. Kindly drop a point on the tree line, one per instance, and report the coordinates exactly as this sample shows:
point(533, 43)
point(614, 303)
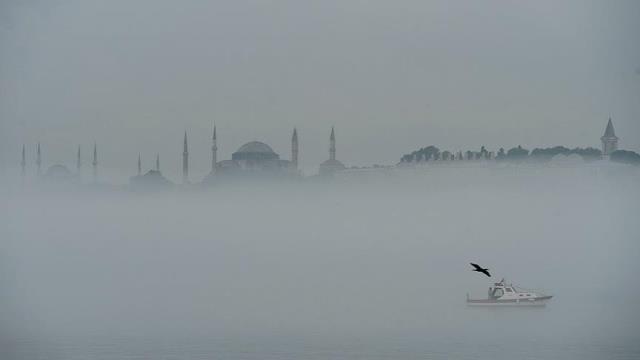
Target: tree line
point(518, 154)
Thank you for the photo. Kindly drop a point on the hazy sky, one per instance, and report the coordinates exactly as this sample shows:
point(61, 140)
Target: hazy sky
point(391, 76)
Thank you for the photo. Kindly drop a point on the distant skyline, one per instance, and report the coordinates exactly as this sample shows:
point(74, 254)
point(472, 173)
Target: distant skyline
point(134, 76)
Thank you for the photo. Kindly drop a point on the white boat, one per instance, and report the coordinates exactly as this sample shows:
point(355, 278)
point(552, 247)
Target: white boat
point(503, 294)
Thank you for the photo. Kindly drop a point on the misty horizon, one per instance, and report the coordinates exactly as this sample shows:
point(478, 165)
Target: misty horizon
point(85, 160)
point(391, 79)
point(429, 135)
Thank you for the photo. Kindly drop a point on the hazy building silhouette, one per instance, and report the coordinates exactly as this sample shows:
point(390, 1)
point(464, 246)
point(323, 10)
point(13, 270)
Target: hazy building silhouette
point(58, 173)
point(151, 180)
point(329, 167)
point(38, 161)
point(78, 162)
point(95, 162)
point(185, 161)
point(214, 150)
point(23, 164)
point(609, 140)
point(294, 149)
point(254, 159)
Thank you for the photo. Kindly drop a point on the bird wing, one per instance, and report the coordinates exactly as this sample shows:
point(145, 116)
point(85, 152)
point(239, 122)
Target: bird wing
point(476, 266)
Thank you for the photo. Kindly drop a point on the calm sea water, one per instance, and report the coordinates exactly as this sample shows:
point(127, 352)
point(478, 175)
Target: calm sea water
point(428, 347)
point(354, 273)
point(562, 330)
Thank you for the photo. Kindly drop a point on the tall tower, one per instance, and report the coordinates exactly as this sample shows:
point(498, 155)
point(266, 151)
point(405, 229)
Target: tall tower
point(331, 166)
point(609, 139)
point(139, 165)
point(78, 162)
point(158, 162)
point(332, 145)
point(294, 148)
point(23, 164)
point(185, 161)
point(214, 150)
point(39, 160)
point(95, 162)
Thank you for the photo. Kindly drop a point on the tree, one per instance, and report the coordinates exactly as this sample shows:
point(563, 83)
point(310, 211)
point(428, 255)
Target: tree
point(407, 158)
point(625, 157)
point(547, 154)
point(424, 153)
point(517, 154)
point(588, 154)
point(484, 153)
point(501, 154)
point(469, 154)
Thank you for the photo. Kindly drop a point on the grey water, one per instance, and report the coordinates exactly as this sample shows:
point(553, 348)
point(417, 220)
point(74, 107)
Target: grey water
point(347, 270)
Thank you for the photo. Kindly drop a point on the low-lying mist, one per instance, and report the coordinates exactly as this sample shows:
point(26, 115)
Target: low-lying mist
point(344, 259)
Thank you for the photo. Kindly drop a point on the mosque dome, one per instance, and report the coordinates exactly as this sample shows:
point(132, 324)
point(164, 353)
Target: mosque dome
point(330, 166)
point(255, 147)
point(255, 150)
point(58, 171)
point(152, 179)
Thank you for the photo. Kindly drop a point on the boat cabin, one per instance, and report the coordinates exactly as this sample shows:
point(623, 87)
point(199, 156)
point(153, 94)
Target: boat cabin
point(501, 290)
point(506, 294)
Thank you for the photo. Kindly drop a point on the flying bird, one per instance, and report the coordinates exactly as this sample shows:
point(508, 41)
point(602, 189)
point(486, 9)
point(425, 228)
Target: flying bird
point(479, 269)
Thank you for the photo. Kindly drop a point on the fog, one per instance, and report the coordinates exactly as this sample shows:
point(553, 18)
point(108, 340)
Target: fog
point(331, 266)
point(373, 263)
point(133, 76)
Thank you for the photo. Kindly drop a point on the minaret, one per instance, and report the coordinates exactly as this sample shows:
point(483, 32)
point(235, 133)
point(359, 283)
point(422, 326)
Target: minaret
point(139, 165)
point(23, 163)
point(331, 166)
point(332, 146)
point(39, 160)
point(609, 140)
point(95, 162)
point(185, 161)
point(78, 162)
point(214, 150)
point(294, 148)
point(158, 162)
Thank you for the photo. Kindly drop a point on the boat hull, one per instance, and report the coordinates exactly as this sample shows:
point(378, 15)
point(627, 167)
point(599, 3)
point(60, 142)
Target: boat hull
point(537, 301)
